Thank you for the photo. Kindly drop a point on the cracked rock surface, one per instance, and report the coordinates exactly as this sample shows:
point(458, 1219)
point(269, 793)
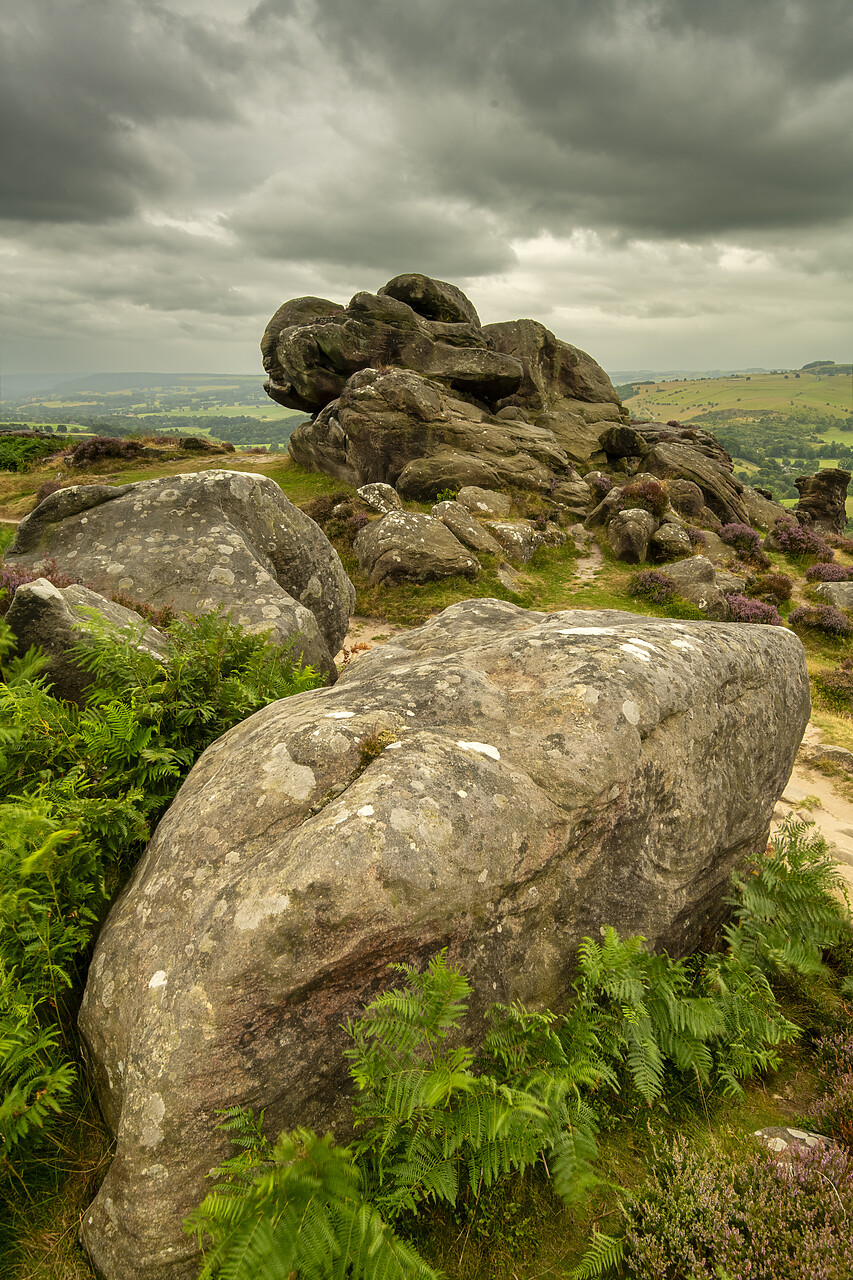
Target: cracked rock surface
point(198, 541)
point(498, 781)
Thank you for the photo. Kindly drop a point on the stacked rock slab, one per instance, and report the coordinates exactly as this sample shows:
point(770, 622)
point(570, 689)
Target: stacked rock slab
point(544, 775)
point(197, 542)
point(409, 389)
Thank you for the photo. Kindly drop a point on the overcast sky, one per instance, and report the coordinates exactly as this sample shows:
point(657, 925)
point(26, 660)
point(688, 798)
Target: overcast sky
point(665, 183)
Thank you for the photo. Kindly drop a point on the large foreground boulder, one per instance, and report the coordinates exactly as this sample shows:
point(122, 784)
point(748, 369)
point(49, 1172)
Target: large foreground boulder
point(542, 776)
point(197, 542)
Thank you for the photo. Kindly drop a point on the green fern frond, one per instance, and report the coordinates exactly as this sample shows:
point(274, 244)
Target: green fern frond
point(604, 1253)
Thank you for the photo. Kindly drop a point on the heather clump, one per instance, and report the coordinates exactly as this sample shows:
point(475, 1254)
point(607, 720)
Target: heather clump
point(698, 538)
point(745, 610)
point(709, 1214)
point(599, 485)
point(822, 617)
point(829, 572)
point(836, 687)
point(772, 587)
point(840, 543)
point(740, 536)
point(646, 495)
point(652, 585)
point(798, 541)
point(103, 449)
point(833, 1109)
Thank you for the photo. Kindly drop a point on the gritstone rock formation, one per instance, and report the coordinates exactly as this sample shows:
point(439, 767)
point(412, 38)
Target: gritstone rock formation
point(542, 776)
point(195, 542)
point(409, 389)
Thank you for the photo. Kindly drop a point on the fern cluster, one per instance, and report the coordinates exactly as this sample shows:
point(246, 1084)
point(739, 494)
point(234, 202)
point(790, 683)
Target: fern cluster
point(439, 1122)
point(83, 787)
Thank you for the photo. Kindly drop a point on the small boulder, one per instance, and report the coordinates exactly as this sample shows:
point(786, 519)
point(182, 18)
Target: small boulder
point(463, 526)
point(696, 582)
point(622, 442)
point(380, 497)
point(484, 502)
point(405, 546)
point(671, 541)
point(839, 594)
point(54, 618)
point(763, 512)
point(629, 534)
point(686, 497)
point(518, 538)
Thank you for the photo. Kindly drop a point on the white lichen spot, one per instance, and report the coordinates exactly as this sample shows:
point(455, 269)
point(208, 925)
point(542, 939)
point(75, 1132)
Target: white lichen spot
point(158, 980)
point(646, 644)
point(483, 876)
point(631, 712)
point(366, 811)
point(393, 746)
point(587, 631)
point(339, 715)
point(341, 817)
point(259, 907)
point(410, 713)
point(482, 748)
point(635, 652)
point(283, 774)
point(684, 644)
point(150, 1133)
point(462, 794)
point(223, 576)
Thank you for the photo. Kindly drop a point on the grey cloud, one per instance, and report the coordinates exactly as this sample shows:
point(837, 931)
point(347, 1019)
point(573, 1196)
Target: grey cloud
point(83, 87)
point(656, 117)
point(364, 218)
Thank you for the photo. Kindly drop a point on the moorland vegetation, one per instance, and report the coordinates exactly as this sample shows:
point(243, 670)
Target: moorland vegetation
point(611, 1139)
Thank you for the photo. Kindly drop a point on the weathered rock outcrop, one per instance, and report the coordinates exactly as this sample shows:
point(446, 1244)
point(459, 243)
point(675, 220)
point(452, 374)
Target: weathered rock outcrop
point(311, 347)
point(403, 429)
point(197, 542)
point(544, 775)
point(51, 617)
point(823, 500)
point(505, 404)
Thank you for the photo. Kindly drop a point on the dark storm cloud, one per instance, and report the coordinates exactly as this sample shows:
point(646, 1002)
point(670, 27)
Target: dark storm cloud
point(84, 87)
point(373, 217)
point(653, 117)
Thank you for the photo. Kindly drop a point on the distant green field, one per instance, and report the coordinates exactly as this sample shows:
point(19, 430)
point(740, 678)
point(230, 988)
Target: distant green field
point(831, 395)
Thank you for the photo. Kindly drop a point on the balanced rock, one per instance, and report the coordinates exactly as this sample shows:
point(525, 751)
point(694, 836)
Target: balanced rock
point(405, 546)
point(508, 397)
point(309, 358)
point(197, 542)
point(823, 500)
point(543, 776)
point(56, 618)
